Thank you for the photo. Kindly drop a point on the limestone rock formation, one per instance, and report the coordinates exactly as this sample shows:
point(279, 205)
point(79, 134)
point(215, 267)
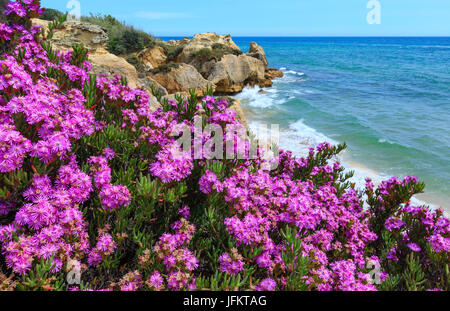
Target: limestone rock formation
point(232, 73)
point(153, 58)
point(221, 64)
point(272, 73)
point(107, 63)
point(147, 82)
point(92, 37)
point(258, 52)
point(181, 79)
point(240, 116)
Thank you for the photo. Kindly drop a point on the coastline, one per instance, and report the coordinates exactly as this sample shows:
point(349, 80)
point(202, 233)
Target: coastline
point(361, 171)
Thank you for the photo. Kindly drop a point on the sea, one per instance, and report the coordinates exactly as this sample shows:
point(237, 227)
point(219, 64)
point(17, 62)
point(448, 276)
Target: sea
point(388, 98)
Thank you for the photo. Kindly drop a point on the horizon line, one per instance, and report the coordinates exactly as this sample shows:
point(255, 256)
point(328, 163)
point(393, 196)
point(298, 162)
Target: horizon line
point(312, 36)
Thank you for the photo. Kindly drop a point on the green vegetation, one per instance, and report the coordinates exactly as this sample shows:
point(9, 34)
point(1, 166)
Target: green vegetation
point(51, 15)
point(136, 62)
point(172, 51)
point(165, 68)
point(123, 39)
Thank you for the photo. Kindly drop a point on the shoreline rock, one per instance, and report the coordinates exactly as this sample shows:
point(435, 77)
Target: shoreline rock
point(175, 67)
point(181, 79)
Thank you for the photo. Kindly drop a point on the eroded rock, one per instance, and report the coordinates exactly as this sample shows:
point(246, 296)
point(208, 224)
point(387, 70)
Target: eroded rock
point(181, 79)
point(232, 73)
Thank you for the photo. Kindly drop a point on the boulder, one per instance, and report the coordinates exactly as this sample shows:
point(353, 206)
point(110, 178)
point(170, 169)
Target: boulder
point(202, 41)
point(154, 103)
point(272, 73)
point(180, 79)
point(153, 58)
point(258, 52)
point(232, 73)
point(269, 75)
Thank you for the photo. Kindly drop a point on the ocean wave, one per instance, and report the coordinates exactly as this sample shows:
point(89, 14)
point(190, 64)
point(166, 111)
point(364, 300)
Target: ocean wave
point(292, 72)
point(255, 99)
point(299, 137)
point(385, 141)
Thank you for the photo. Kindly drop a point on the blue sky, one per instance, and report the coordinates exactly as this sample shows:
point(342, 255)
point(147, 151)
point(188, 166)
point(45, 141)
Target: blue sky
point(274, 17)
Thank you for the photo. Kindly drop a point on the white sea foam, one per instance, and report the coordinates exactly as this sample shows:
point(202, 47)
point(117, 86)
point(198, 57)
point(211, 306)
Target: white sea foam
point(299, 137)
point(253, 97)
point(384, 141)
point(292, 72)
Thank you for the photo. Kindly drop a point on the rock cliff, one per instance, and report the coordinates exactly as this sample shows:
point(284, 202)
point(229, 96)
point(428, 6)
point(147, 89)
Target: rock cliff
point(206, 60)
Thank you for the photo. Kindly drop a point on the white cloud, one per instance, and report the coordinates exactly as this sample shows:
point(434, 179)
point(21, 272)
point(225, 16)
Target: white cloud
point(160, 15)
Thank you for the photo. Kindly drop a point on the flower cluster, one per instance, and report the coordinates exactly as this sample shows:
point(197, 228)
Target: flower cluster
point(300, 225)
point(264, 204)
point(232, 264)
point(51, 226)
point(105, 247)
point(131, 282)
point(155, 281)
point(111, 196)
point(173, 164)
point(178, 260)
point(24, 8)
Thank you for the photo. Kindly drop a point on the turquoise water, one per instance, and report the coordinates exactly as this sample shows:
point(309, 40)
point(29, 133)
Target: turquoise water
point(388, 98)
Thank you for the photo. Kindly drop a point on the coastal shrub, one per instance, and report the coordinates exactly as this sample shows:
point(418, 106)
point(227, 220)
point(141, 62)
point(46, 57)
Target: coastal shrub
point(172, 51)
point(165, 68)
point(51, 14)
point(136, 62)
point(94, 184)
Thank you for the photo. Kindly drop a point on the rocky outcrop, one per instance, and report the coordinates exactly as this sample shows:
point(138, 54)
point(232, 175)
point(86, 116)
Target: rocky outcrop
point(180, 79)
point(148, 82)
point(183, 41)
point(232, 73)
point(153, 58)
point(272, 73)
point(154, 103)
point(94, 39)
point(258, 52)
point(172, 97)
point(206, 60)
point(204, 41)
point(107, 63)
